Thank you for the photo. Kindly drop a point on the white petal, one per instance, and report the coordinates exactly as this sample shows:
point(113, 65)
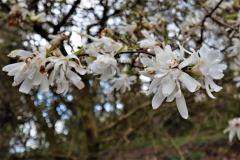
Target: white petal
point(168, 88)
point(191, 84)
point(171, 97)
point(44, 84)
point(72, 56)
point(213, 85)
point(157, 101)
point(146, 61)
point(37, 78)
point(144, 73)
point(75, 79)
point(146, 34)
point(12, 66)
point(182, 107)
point(26, 86)
point(80, 70)
point(238, 133)
point(188, 61)
point(156, 82)
point(106, 40)
point(231, 135)
point(19, 52)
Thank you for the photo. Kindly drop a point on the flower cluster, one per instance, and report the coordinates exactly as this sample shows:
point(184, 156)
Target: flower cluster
point(170, 70)
point(43, 68)
point(19, 12)
point(233, 128)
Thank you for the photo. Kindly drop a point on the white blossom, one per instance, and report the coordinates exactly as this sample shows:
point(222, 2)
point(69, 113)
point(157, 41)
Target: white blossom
point(104, 49)
point(41, 17)
point(167, 77)
point(30, 71)
point(235, 48)
point(105, 65)
point(102, 45)
point(62, 73)
point(123, 82)
point(233, 128)
point(149, 42)
point(157, 24)
point(207, 67)
point(128, 28)
point(189, 22)
point(19, 9)
point(57, 39)
point(224, 4)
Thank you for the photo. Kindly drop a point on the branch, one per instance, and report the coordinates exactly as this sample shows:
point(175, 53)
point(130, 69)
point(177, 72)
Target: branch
point(42, 32)
point(71, 11)
point(174, 144)
point(201, 23)
point(223, 24)
point(5, 7)
point(125, 134)
point(138, 51)
point(123, 117)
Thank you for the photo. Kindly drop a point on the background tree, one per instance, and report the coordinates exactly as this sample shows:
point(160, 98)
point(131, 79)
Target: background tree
point(94, 123)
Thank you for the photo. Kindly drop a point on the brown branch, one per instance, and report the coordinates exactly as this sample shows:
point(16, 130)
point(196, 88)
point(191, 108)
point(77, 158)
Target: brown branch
point(208, 15)
point(174, 144)
point(42, 32)
point(223, 24)
point(5, 7)
point(125, 134)
point(123, 117)
point(65, 18)
point(138, 51)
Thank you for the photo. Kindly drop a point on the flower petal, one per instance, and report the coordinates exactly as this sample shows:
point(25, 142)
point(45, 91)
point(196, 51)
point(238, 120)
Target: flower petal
point(182, 107)
point(191, 84)
point(157, 100)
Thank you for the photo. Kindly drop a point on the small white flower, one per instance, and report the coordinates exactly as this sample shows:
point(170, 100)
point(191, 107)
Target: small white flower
point(210, 67)
point(224, 5)
point(207, 66)
point(37, 18)
point(149, 42)
point(233, 128)
point(57, 39)
point(128, 28)
point(123, 82)
point(190, 22)
point(19, 9)
point(104, 65)
point(157, 24)
point(167, 77)
point(30, 71)
point(62, 72)
point(104, 49)
point(235, 48)
point(102, 45)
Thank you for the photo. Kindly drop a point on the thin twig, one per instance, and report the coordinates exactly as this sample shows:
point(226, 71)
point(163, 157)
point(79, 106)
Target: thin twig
point(223, 24)
point(174, 144)
point(123, 117)
point(138, 51)
point(201, 23)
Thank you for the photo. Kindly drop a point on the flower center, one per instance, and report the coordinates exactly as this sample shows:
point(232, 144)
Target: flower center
point(172, 63)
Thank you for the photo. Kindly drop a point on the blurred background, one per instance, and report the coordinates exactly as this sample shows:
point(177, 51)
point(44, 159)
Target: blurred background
point(94, 123)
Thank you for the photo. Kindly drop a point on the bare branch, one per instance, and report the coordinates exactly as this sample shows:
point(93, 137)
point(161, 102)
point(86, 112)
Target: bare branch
point(65, 18)
point(123, 117)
